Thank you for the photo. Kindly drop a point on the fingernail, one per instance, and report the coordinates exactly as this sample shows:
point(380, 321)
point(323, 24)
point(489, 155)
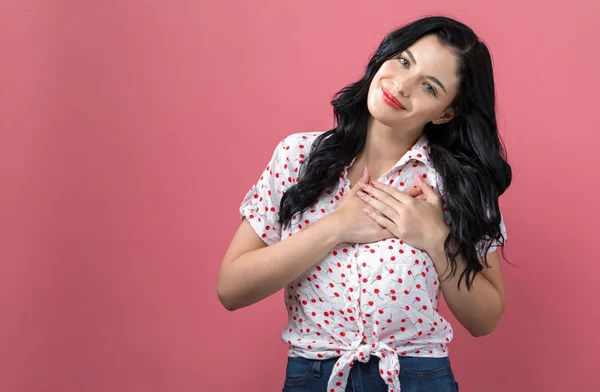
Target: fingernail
point(364, 171)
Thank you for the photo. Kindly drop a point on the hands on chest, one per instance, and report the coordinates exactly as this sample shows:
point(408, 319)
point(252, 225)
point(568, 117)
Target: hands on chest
point(373, 211)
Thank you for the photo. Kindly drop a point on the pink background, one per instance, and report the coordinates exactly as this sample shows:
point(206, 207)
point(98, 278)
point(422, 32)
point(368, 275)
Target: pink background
point(130, 132)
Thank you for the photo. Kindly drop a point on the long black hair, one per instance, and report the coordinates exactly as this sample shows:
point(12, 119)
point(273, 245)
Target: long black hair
point(467, 151)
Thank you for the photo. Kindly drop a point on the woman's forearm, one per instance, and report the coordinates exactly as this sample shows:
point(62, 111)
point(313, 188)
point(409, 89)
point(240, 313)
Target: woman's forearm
point(258, 274)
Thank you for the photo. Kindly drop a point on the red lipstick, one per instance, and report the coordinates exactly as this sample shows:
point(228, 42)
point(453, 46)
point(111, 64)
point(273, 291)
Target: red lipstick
point(391, 100)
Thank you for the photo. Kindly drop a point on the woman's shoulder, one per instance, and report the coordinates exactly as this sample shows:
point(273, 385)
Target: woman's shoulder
point(293, 150)
point(298, 143)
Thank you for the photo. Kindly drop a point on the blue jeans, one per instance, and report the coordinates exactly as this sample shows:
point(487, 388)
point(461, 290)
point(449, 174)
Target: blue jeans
point(417, 374)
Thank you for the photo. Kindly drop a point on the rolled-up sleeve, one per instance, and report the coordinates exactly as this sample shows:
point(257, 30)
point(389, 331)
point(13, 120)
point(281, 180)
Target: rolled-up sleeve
point(261, 203)
point(495, 243)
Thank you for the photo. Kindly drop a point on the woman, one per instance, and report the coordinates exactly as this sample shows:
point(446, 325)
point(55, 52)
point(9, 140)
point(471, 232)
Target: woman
point(363, 261)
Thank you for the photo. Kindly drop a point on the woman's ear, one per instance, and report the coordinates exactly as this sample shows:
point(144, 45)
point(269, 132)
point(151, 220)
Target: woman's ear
point(444, 118)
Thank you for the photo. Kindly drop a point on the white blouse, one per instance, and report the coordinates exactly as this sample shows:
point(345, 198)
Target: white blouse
point(360, 300)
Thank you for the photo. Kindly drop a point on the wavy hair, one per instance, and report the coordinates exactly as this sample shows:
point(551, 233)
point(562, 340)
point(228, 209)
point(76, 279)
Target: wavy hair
point(467, 151)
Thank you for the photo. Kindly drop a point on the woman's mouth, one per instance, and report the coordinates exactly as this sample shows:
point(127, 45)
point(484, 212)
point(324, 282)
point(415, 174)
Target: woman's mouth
point(391, 100)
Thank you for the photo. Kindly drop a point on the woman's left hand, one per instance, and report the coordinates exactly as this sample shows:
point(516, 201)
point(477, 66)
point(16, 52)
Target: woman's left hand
point(417, 221)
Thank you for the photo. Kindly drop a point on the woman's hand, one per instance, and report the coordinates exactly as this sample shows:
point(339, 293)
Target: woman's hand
point(417, 221)
point(353, 224)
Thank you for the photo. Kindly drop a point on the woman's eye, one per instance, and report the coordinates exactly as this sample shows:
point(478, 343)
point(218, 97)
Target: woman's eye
point(404, 61)
point(430, 89)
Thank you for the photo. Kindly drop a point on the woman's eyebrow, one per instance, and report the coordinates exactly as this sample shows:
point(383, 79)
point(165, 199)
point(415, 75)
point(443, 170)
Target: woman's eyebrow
point(436, 81)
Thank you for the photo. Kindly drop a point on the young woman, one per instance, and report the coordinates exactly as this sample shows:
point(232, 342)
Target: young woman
point(363, 261)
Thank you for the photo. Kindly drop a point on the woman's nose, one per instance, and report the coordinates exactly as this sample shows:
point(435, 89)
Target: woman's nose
point(401, 89)
point(403, 85)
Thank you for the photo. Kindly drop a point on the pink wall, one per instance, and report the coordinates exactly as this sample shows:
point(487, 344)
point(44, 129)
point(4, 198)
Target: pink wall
point(130, 134)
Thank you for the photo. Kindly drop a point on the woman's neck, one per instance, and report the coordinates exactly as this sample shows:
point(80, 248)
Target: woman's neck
point(384, 147)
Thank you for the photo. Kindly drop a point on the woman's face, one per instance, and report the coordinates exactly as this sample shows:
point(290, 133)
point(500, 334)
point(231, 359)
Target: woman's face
point(415, 87)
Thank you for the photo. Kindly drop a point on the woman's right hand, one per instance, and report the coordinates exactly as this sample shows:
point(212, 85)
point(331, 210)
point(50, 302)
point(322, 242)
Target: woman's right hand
point(354, 225)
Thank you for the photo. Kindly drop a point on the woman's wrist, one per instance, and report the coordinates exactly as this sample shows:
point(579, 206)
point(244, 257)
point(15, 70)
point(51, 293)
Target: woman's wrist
point(438, 240)
point(334, 228)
